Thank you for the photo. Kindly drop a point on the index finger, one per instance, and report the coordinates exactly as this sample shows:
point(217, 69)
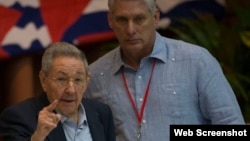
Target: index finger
point(52, 106)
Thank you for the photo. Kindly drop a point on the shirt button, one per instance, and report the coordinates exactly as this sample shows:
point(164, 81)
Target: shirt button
point(173, 59)
point(139, 77)
point(174, 92)
point(144, 121)
point(141, 99)
point(102, 73)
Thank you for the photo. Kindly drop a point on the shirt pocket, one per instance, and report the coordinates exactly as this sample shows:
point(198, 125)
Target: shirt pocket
point(175, 98)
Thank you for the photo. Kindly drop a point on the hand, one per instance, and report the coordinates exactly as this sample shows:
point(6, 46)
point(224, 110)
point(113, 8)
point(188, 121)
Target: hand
point(47, 121)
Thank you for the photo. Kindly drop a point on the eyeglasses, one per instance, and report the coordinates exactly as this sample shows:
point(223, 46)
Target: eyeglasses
point(63, 81)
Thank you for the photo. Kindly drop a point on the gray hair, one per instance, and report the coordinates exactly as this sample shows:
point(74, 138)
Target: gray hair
point(151, 4)
point(61, 49)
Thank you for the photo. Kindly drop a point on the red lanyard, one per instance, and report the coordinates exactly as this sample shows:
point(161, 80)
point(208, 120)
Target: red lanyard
point(139, 115)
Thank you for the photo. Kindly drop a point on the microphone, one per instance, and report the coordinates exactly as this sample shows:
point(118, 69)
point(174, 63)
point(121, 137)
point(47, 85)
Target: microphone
point(85, 122)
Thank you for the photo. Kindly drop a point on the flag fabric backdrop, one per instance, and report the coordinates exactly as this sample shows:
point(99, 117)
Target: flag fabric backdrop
point(29, 26)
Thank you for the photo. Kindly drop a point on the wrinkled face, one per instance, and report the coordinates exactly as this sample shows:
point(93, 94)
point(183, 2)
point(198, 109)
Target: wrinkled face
point(133, 25)
point(66, 82)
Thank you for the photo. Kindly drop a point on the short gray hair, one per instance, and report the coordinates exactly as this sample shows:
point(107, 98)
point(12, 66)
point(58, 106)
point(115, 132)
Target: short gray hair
point(61, 49)
point(151, 4)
